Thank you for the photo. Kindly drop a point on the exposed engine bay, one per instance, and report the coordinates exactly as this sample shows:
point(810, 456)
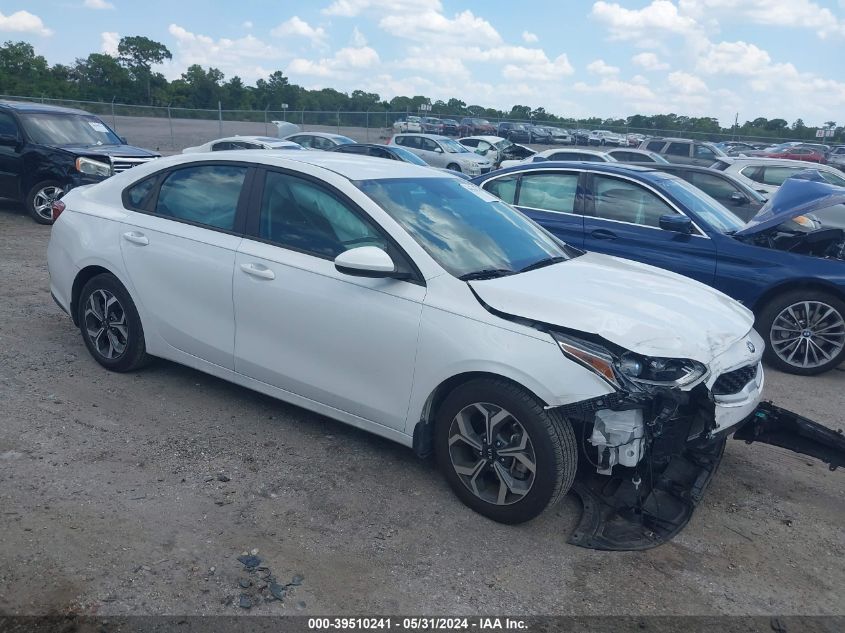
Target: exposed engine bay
point(827, 243)
point(647, 459)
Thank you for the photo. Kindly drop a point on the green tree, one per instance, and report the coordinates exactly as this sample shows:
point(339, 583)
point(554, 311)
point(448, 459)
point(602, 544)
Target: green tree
point(138, 54)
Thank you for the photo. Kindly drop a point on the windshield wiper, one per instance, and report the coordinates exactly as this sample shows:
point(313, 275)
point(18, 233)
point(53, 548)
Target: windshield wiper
point(543, 263)
point(487, 273)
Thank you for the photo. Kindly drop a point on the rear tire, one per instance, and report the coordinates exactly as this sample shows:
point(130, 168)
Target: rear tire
point(39, 200)
point(804, 332)
point(110, 325)
point(495, 478)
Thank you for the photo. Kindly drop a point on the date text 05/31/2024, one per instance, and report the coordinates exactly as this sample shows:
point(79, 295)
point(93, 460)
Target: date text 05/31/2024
point(417, 624)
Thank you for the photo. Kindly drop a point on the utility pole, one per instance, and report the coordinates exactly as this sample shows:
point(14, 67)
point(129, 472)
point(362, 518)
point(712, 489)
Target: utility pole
point(736, 125)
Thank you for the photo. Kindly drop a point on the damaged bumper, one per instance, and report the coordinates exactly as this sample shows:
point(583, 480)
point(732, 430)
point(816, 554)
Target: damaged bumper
point(648, 455)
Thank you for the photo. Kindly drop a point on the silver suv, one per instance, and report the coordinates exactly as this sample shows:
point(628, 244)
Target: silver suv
point(684, 151)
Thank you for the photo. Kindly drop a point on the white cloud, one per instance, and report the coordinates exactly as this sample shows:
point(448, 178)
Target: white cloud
point(735, 58)
point(338, 65)
point(352, 8)
point(433, 28)
point(247, 24)
point(242, 56)
point(600, 67)
point(23, 22)
point(661, 16)
point(357, 40)
point(649, 61)
point(97, 4)
point(625, 91)
point(529, 38)
point(787, 13)
point(297, 27)
point(685, 83)
point(108, 42)
point(543, 70)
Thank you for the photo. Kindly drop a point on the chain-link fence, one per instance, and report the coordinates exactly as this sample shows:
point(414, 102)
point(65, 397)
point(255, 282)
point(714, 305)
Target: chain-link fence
point(170, 129)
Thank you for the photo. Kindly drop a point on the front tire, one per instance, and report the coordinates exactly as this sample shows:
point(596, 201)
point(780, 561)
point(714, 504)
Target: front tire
point(503, 454)
point(454, 167)
point(804, 332)
point(39, 200)
point(110, 325)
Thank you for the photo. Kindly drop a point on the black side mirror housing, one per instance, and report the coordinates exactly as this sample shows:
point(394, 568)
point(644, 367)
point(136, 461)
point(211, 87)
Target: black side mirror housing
point(738, 199)
point(676, 223)
point(9, 140)
point(123, 140)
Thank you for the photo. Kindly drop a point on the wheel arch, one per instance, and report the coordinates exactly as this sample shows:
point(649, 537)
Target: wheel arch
point(423, 431)
point(795, 284)
point(83, 277)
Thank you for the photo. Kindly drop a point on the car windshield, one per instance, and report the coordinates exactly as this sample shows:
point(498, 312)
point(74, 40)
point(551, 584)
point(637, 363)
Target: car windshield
point(49, 128)
point(408, 157)
point(465, 229)
point(452, 146)
point(503, 144)
point(714, 214)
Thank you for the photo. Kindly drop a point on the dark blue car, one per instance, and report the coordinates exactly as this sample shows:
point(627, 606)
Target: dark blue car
point(791, 275)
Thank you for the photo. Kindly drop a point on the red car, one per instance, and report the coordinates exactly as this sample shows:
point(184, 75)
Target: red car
point(472, 127)
point(797, 153)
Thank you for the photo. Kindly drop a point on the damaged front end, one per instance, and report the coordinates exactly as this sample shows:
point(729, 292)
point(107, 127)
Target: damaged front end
point(649, 453)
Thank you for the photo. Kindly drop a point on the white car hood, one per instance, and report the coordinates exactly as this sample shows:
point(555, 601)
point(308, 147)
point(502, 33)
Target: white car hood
point(644, 309)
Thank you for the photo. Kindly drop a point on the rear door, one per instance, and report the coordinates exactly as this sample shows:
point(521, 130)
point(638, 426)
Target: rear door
point(622, 219)
point(342, 341)
point(179, 250)
point(551, 198)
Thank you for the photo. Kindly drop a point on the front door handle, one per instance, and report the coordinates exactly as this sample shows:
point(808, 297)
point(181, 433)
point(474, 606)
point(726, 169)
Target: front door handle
point(603, 234)
point(136, 238)
point(258, 270)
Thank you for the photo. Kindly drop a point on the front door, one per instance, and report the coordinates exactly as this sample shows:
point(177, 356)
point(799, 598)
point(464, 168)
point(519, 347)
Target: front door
point(622, 219)
point(304, 327)
point(180, 254)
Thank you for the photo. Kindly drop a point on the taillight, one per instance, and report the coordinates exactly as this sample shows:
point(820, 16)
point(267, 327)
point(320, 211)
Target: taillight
point(57, 208)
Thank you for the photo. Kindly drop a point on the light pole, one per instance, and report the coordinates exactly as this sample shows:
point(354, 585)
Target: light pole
point(284, 111)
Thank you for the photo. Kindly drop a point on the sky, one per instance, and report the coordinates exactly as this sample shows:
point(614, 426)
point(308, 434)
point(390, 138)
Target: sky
point(579, 58)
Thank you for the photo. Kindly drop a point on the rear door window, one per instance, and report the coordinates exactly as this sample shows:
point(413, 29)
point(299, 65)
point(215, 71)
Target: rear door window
point(204, 194)
point(549, 192)
point(678, 149)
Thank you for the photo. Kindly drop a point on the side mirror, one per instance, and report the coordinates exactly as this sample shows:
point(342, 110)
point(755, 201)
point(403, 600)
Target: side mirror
point(738, 198)
point(9, 140)
point(676, 223)
point(365, 261)
point(123, 140)
point(438, 149)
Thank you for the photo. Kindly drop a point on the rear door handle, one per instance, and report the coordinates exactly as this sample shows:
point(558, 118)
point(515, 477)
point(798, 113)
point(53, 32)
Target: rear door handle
point(258, 270)
point(603, 234)
point(136, 238)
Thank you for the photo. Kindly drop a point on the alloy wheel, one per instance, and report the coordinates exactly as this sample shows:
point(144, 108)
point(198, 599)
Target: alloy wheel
point(808, 334)
point(43, 200)
point(492, 454)
point(105, 324)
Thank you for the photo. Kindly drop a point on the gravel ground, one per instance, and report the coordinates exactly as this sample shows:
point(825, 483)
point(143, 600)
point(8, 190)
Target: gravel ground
point(135, 494)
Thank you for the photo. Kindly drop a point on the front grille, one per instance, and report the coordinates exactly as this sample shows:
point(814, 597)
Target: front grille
point(733, 381)
point(122, 163)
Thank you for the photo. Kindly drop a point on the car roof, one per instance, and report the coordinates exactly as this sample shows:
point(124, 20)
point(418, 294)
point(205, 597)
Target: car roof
point(778, 162)
point(489, 139)
point(321, 134)
point(576, 150)
point(350, 166)
point(435, 137)
point(28, 106)
point(620, 169)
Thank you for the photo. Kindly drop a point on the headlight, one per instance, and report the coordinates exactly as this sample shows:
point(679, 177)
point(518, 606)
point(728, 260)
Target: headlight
point(93, 167)
point(666, 372)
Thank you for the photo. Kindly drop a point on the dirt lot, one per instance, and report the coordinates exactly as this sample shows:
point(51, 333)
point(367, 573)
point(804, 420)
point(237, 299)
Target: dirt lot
point(135, 493)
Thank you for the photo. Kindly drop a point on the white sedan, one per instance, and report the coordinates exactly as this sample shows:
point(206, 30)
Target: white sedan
point(409, 303)
point(242, 142)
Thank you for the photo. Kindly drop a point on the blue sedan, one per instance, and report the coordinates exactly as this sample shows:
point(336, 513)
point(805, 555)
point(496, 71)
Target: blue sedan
point(792, 276)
